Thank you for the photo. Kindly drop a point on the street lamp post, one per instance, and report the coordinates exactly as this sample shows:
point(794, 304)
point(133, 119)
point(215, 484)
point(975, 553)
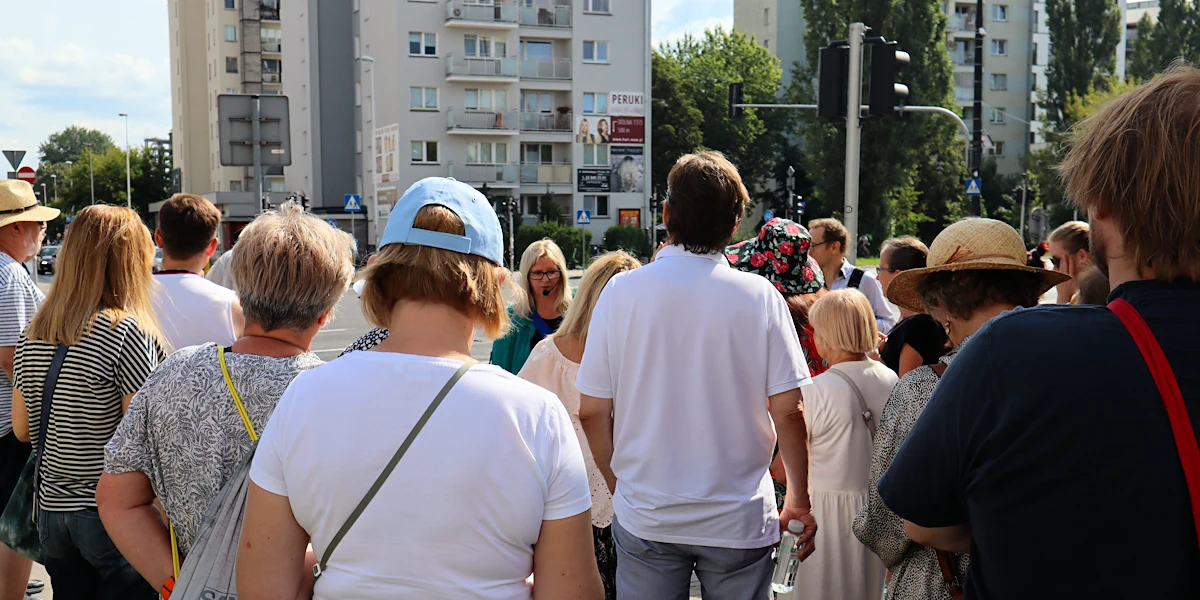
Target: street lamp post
point(91, 171)
point(54, 180)
point(128, 181)
point(369, 159)
point(45, 200)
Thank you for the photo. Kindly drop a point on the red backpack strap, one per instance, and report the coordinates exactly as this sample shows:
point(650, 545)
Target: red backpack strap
point(1172, 397)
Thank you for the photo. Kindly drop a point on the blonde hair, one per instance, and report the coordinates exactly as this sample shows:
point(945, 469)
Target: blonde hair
point(575, 324)
point(105, 265)
point(524, 305)
point(843, 320)
point(1074, 234)
point(468, 283)
point(291, 268)
point(1136, 160)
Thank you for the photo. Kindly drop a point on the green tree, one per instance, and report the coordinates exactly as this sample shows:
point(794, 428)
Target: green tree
point(913, 167)
point(676, 120)
point(1176, 34)
point(550, 212)
point(71, 143)
point(1083, 36)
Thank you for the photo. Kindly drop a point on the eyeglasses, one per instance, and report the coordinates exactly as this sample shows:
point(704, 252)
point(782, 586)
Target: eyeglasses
point(540, 275)
point(889, 270)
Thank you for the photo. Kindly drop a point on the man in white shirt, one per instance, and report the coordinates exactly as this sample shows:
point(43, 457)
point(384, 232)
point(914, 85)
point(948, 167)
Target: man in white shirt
point(684, 358)
point(191, 309)
point(829, 249)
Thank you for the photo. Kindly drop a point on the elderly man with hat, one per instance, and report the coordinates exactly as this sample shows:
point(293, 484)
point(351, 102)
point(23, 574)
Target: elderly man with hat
point(22, 228)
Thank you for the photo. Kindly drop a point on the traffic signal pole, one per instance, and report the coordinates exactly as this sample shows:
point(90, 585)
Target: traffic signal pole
point(853, 137)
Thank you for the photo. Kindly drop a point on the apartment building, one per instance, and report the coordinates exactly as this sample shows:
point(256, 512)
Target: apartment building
point(543, 101)
point(221, 47)
point(778, 26)
point(1136, 10)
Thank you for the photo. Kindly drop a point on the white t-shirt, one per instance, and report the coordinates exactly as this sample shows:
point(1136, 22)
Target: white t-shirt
point(460, 514)
point(192, 310)
point(689, 349)
point(840, 443)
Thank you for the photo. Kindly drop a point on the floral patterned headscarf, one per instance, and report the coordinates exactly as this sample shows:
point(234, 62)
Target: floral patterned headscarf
point(780, 253)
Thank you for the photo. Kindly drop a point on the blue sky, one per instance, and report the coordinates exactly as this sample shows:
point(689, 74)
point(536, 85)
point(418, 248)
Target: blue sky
point(84, 61)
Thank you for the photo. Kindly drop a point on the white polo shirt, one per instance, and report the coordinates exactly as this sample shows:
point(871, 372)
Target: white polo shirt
point(689, 349)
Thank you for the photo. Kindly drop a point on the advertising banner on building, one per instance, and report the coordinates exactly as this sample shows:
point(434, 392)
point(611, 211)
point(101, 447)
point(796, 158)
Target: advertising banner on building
point(628, 130)
point(628, 110)
point(627, 104)
point(593, 129)
point(630, 217)
point(593, 180)
point(628, 169)
point(387, 158)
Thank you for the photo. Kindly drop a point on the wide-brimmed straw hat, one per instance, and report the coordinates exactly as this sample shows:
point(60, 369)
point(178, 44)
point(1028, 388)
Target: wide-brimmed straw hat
point(19, 204)
point(969, 245)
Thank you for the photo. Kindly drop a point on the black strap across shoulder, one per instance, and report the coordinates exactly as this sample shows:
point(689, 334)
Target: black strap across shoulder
point(855, 278)
point(47, 399)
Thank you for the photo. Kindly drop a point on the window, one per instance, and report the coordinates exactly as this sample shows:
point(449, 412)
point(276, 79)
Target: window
point(537, 102)
point(423, 98)
point(424, 152)
point(476, 99)
point(595, 103)
point(536, 154)
point(968, 113)
point(422, 44)
point(531, 50)
point(997, 149)
point(530, 204)
point(485, 46)
point(1035, 53)
point(767, 44)
point(487, 153)
point(766, 16)
point(230, 5)
point(230, 33)
point(600, 6)
point(999, 81)
point(999, 47)
point(999, 12)
point(235, 186)
point(996, 115)
point(1037, 28)
point(595, 52)
point(231, 91)
point(595, 155)
point(231, 64)
point(598, 205)
point(272, 65)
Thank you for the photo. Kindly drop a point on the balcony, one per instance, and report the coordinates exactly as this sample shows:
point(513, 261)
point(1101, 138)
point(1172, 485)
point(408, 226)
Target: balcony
point(481, 122)
point(560, 122)
point(272, 47)
point(497, 176)
point(964, 93)
point(471, 68)
point(272, 78)
point(558, 17)
point(481, 15)
point(546, 173)
point(961, 23)
point(963, 59)
point(546, 68)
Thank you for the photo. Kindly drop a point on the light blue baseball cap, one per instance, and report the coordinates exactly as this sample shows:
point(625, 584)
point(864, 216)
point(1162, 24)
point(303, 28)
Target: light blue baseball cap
point(482, 228)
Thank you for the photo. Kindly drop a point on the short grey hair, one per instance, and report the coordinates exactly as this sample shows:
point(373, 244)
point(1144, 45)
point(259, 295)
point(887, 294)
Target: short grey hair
point(291, 268)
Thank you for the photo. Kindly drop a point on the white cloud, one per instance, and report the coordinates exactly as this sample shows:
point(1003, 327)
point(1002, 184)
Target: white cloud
point(671, 19)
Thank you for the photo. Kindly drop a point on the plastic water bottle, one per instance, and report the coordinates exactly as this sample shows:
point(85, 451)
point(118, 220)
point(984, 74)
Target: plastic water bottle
point(787, 558)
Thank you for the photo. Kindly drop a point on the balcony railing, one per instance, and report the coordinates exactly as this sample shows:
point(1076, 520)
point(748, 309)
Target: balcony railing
point(470, 66)
point(272, 46)
point(540, 16)
point(964, 93)
point(499, 13)
point(482, 120)
point(963, 59)
point(272, 78)
point(546, 68)
point(546, 173)
point(499, 174)
point(548, 122)
point(960, 22)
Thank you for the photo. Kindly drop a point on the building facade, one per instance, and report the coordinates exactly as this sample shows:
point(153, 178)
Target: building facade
point(778, 26)
point(221, 47)
point(543, 101)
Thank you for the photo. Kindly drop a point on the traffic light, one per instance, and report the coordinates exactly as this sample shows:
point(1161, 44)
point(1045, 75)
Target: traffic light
point(886, 61)
point(833, 79)
point(735, 98)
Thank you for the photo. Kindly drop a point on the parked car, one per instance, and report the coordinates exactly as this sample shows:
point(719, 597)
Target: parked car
point(47, 260)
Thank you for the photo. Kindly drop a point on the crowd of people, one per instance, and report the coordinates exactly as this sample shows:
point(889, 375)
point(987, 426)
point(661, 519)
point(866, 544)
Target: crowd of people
point(658, 423)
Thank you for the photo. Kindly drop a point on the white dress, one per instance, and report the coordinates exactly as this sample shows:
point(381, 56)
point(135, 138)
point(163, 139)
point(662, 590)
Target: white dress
point(840, 463)
point(548, 368)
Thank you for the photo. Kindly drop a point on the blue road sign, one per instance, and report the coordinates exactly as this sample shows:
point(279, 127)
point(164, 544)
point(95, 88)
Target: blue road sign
point(583, 217)
point(768, 215)
point(332, 222)
point(353, 203)
point(973, 186)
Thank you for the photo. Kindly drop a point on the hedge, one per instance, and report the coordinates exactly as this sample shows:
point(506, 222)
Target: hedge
point(571, 240)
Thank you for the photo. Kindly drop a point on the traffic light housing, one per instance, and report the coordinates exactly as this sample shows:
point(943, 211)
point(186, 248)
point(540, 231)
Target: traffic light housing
point(833, 79)
point(735, 98)
point(886, 62)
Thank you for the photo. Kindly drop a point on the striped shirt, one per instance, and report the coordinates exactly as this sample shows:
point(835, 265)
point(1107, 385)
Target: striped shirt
point(19, 301)
point(106, 364)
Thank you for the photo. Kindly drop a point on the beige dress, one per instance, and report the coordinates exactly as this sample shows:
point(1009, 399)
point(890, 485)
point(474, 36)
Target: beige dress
point(548, 368)
point(840, 463)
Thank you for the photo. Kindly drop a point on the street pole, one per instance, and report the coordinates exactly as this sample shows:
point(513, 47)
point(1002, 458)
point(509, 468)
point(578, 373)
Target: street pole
point(92, 174)
point(371, 135)
point(256, 135)
point(977, 135)
point(1024, 193)
point(853, 104)
point(54, 180)
point(512, 249)
point(128, 181)
point(45, 200)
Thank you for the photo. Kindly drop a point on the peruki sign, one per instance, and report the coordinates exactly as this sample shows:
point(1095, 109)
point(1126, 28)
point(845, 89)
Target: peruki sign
point(627, 104)
point(628, 117)
point(593, 180)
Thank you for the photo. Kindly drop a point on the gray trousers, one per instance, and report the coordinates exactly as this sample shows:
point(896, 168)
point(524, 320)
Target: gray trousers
point(653, 570)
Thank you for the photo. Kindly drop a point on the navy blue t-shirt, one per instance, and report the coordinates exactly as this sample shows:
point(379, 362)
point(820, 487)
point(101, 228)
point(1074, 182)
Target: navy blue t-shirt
point(1048, 437)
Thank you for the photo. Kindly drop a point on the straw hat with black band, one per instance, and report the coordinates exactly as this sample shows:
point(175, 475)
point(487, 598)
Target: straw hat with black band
point(969, 245)
point(18, 204)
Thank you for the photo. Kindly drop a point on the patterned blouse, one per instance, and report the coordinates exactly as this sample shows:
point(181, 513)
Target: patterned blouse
point(916, 574)
point(369, 340)
point(184, 432)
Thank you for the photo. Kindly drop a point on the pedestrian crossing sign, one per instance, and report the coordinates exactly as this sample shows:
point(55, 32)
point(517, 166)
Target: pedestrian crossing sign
point(583, 217)
point(973, 186)
point(353, 203)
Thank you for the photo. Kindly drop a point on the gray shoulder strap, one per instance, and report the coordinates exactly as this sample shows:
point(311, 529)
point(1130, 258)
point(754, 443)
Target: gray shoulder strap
point(867, 416)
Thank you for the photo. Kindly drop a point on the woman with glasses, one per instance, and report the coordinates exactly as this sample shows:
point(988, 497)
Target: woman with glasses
point(917, 339)
point(539, 309)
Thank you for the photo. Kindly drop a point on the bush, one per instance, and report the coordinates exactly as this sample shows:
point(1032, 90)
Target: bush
point(569, 239)
point(627, 238)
